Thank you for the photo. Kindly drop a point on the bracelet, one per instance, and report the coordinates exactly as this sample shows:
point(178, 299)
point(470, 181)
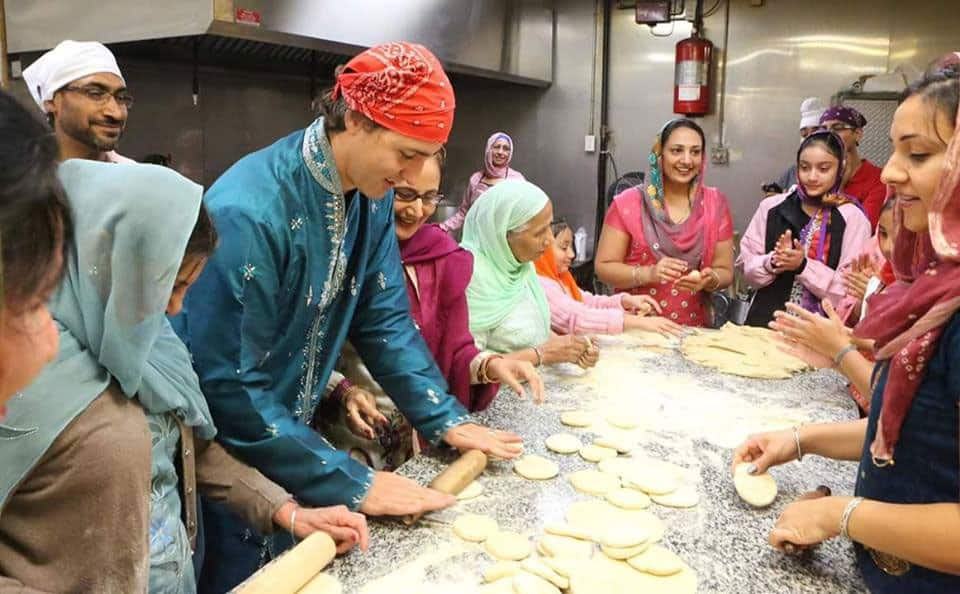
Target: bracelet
point(341, 390)
point(843, 353)
point(539, 354)
point(716, 280)
point(845, 518)
point(482, 374)
point(633, 274)
point(796, 438)
point(293, 519)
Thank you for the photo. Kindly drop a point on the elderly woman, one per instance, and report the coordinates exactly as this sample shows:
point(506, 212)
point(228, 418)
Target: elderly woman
point(368, 424)
point(798, 241)
point(573, 310)
point(672, 241)
point(117, 426)
point(506, 232)
point(496, 168)
point(904, 518)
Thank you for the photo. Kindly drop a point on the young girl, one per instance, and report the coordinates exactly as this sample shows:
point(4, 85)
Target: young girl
point(797, 241)
point(575, 311)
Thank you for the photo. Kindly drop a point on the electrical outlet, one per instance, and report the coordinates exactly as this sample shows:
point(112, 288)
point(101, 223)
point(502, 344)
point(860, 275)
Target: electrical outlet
point(719, 155)
point(589, 143)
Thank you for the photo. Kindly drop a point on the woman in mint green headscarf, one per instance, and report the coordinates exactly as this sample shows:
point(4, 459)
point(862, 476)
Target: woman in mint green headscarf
point(506, 230)
point(117, 428)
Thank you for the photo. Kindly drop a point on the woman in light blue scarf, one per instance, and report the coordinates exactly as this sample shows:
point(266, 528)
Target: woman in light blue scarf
point(142, 238)
point(506, 230)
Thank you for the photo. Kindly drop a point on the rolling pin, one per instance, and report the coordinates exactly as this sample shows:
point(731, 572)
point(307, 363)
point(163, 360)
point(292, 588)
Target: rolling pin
point(821, 491)
point(455, 477)
point(294, 569)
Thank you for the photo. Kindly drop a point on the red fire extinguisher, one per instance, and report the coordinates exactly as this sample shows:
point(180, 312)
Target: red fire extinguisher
point(691, 81)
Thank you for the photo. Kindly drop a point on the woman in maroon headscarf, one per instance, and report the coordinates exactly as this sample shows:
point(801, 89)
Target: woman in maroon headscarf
point(905, 518)
point(438, 272)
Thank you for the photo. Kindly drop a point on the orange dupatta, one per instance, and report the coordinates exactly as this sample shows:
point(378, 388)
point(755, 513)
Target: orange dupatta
point(546, 266)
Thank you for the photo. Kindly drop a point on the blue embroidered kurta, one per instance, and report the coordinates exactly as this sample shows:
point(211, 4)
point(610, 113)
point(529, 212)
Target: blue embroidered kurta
point(299, 269)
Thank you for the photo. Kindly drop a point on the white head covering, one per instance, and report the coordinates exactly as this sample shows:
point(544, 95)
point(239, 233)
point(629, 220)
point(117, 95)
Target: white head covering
point(69, 61)
point(810, 111)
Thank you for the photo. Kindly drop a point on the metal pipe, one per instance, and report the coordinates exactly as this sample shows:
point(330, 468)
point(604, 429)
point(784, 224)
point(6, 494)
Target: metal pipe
point(721, 109)
point(604, 117)
point(4, 58)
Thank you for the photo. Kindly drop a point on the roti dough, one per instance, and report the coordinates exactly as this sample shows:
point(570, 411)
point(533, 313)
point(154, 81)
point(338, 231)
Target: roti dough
point(474, 527)
point(563, 443)
point(657, 560)
point(593, 482)
point(628, 498)
point(685, 496)
point(536, 467)
point(595, 453)
point(508, 546)
point(577, 418)
point(471, 491)
point(758, 490)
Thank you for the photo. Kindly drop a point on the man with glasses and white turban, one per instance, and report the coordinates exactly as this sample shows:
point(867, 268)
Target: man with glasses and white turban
point(78, 85)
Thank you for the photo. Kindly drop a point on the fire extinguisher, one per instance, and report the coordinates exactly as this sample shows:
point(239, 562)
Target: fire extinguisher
point(691, 80)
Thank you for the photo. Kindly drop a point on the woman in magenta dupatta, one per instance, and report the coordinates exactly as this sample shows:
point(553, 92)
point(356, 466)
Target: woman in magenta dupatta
point(438, 271)
point(672, 240)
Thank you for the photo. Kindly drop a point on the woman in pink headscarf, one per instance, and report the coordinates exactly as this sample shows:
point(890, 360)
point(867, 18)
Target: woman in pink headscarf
point(904, 520)
point(496, 168)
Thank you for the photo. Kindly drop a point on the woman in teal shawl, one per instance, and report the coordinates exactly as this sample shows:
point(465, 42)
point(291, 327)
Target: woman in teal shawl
point(506, 230)
point(141, 240)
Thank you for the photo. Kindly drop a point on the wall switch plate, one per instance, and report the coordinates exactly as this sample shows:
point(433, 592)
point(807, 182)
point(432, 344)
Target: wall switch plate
point(719, 155)
point(589, 143)
point(16, 69)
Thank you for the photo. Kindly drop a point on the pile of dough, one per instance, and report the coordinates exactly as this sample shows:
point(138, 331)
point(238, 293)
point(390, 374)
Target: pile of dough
point(551, 545)
point(536, 467)
point(540, 569)
point(628, 498)
point(474, 527)
point(657, 560)
point(596, 516)
point(602, 575)
point(759, 490)
point(622, 554)
point(742, 350)
point(593, 482)
point(568, 530)
point(684, 496)
point(563, 443)
point(508, 546)
point(651, 479)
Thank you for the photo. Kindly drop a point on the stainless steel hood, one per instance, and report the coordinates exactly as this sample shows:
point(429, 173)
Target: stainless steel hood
point(508, 40)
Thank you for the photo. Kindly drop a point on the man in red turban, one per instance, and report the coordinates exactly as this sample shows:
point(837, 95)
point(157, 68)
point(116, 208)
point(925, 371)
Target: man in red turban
point(308, 258)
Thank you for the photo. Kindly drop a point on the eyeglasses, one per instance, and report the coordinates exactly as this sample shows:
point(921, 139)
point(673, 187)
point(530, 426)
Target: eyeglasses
point(838, 127)
point(101, 95)
point(409, 195)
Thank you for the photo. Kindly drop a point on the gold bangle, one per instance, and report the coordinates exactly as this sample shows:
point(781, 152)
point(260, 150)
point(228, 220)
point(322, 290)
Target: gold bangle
point(539, 354)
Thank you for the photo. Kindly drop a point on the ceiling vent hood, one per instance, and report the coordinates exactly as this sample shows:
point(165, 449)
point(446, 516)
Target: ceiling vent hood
point(510, 40)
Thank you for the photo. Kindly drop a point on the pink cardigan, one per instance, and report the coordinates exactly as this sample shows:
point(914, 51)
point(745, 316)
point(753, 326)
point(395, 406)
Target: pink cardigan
point(597, 314)
point(817, 277)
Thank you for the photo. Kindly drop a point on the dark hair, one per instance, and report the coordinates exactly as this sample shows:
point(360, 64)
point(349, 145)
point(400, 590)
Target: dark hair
point(941, 89)
point(334, 112)
point(826, 139)
point(558, 226)
point(677, 123)
point(204, 238)
point(35, 221)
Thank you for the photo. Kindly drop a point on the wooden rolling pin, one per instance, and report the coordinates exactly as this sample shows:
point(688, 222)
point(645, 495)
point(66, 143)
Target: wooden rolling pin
point(294, 569)
point(821, 491)
point(455, 477)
